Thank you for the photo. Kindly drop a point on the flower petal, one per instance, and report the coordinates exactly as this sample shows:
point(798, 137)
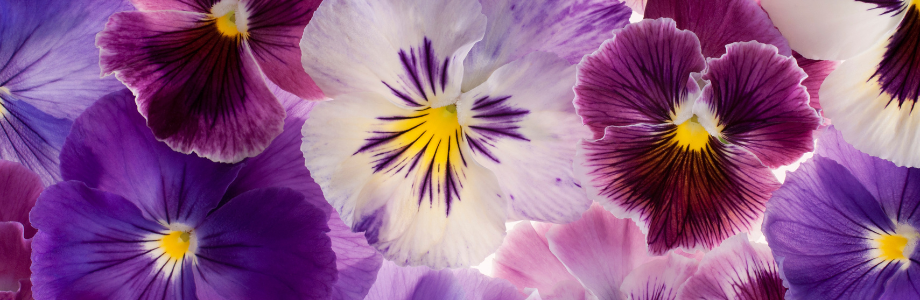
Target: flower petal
point(33, 138)
point(111, 149)
point(819, 226)
point(569, 29)
point(14, 260)
point(874, 94)
point(832, 29)
point(356, 261)
point(199, 6)
point(200, 91)
point(275, 30)
point(759, 104)
point(600, 250)
point(659, 279)
point(482, 287)
point(265, 244)
point(611, 90)
point(90, 244)
point(520, 125)
point(395, 282)
point(354, 46)
point(737, 269)
point(817, 71)
point(682, 197)
point(409, 184)
point(20, 187)
point(718, 23)
point(526, 261)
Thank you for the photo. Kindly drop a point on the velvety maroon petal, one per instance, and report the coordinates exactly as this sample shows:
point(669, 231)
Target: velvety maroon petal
point(759, 103)
point(19, 188)
point(14, 260)
point(684, 197)
point(200, 90)
point(718, 23)
point(200, 6)
point(275, 30)
point(640, 76)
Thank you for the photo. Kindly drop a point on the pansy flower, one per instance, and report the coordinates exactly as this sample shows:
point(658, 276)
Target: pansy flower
point(845, 226)
point(137, 220)
point(449, 118)
point(49, 73)
point(19, 188)
point(197, 69)
point(688, 156)
point(873, 93)
point(407, 283)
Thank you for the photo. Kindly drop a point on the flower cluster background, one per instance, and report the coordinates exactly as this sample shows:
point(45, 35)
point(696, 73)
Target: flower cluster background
point(459, 149)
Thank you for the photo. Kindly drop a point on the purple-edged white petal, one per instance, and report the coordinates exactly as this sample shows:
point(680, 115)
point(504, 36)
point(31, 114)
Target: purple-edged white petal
point(659, 279)
point(111, 149)
point(264, 244)
point(833, 29)
point(569, 29)
point(640, 76)
point(737, 269)
point(19, 188)
point(405, 179)
point(14, 260)
point(92, 244)
point(199, 89)
point(526, 261)
point(600, 250)
point(520, 124)
point(406, 283)
point(355, 46)
point(718, 23)
point(758, 102)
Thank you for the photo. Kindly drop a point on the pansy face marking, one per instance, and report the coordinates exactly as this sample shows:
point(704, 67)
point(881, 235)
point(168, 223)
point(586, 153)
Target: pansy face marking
point(175, 244)
point(897, 246)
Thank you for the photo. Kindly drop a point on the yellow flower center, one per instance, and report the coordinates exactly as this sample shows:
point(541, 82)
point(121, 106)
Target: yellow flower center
point(692, 135)
point(176, 244)
point(226, 24)
point(892, 246)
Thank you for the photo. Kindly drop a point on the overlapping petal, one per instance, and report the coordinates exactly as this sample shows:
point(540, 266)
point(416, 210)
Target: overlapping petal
point(14, 262)
point(48, 74)
point(526, 260)
point(398, 283)
point(659, 279)
point(20, 187)
point(817, 71)
point(737, 269)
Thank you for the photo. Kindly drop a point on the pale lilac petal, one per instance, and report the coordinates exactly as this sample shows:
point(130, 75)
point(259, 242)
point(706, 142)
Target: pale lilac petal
point(526, 261)
point(356, 261)
point(481, 287)
point(737, 269)
point(411, 283)
point(659, 279)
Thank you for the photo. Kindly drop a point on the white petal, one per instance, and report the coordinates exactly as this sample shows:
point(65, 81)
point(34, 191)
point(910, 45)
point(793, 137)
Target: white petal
point(831, 29)
point(522, 126)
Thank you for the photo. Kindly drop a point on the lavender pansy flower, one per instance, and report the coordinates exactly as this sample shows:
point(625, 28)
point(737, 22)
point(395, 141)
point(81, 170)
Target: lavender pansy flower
point(137, 220)
point(19, 188)
point(874, 92)
point(844, 226)
point(406, 283)
point(49, 73)
point(690, 166)
point(197, 69)
point(449, 118)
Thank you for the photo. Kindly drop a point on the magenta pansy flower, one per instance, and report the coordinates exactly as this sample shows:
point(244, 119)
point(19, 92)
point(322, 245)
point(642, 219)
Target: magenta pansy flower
point(49, 73)
point(684, 143)
point(20, 187)
point(449, 118)
point(137, 220)
point(196, 68)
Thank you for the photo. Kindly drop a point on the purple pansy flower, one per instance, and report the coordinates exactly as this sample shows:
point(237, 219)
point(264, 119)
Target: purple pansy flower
point(845, 226)
point(588, 257)
point(450, 118)
point(406, 283)
point(19, 188)
point(197, 69)
point(137, 220)
point(874, 93)
point(687, 155)
point(49, 73)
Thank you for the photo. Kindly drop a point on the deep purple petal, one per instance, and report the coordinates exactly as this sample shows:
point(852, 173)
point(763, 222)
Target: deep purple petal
point(275, 30)
point(14, 259)
point(91, 245)
point(569, 29)
point(526, 261)
point(199, 6)
point(32, 137)
point(600, 250)
point(684, 197)
point(718, 23)
point(737, 269)
point(640, 76)
point(111, 149)
point(659, 279)
point(200, 90)
point(265, 244)
point(410, 283)
point(759, 103)
point(819, 226)
point(19, 188)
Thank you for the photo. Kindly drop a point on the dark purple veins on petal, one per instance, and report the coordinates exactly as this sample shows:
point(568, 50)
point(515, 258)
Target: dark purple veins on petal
point(899, 71)
point(32, 137)
point(501, 122)
point(892, 7)
point(763, 283)
point(424, 75)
